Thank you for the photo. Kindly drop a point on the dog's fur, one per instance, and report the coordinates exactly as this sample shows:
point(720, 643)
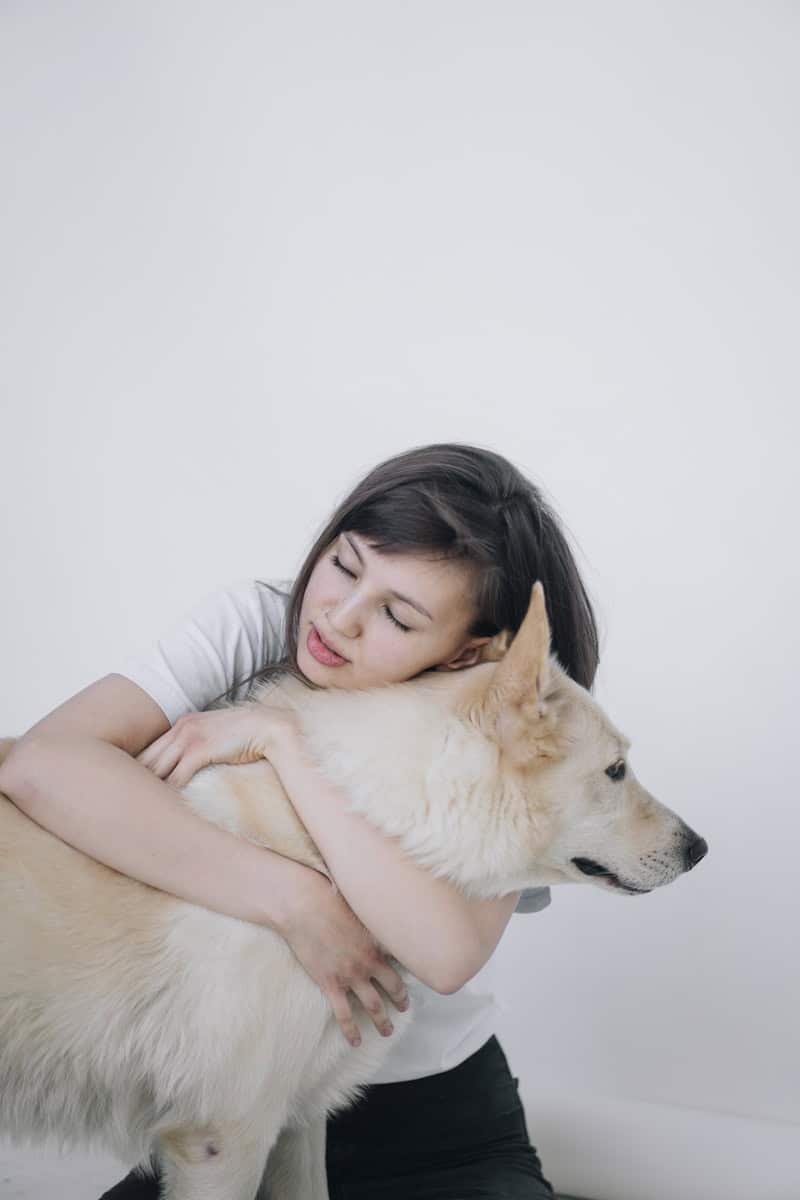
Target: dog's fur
point(146, 1025)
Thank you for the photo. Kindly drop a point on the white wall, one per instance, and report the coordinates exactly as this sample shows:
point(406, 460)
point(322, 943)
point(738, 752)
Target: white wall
point(251, 249)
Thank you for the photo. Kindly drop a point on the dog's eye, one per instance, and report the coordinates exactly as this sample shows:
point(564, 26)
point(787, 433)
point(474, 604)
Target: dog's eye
point(616, 770)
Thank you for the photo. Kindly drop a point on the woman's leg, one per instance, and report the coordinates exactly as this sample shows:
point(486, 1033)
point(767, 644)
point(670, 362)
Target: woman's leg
point(459, 1134)
point(135, 1187)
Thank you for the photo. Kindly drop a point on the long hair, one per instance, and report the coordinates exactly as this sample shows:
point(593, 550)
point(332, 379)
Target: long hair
point(452, 501)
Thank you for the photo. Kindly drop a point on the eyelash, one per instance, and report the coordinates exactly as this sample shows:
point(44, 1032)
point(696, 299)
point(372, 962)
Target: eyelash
point(405, 628)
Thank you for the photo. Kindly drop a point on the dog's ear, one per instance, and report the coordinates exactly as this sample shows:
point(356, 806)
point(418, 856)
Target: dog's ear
point(524, 671)
point(514, 707)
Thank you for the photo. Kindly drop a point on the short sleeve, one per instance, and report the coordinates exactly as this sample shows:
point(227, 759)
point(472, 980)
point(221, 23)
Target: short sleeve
point(231, 634)
point(533, 900)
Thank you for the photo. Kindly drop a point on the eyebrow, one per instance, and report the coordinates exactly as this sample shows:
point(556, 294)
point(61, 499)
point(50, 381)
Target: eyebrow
point(397, 595)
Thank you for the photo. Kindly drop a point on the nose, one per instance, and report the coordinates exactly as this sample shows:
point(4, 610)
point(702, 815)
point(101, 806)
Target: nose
point(341, 622)
point(696, 849)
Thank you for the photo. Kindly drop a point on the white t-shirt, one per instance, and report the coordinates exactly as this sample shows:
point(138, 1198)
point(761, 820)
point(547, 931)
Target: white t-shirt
point(232, 633)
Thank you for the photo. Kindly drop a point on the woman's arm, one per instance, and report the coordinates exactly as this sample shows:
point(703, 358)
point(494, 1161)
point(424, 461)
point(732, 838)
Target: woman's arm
point(393, 897)
point(442, 936)
point(73, 774)
point(97, 798)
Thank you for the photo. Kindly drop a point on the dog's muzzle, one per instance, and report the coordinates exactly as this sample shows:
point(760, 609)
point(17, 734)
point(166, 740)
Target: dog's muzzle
point(696, 848)
point(589, 867)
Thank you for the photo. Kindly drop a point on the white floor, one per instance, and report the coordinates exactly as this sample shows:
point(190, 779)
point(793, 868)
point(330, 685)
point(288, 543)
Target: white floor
point(45, 1175)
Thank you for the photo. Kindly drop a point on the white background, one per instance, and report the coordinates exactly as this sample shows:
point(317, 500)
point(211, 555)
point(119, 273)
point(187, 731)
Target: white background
point(252, 249)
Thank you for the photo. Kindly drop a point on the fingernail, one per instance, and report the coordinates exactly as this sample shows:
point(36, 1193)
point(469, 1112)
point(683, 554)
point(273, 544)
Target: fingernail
point(355, 1041)
point(387, 1029)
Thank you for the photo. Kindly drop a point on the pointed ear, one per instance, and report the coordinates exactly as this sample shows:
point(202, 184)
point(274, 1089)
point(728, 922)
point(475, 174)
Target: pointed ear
point(524, 672)
point(513, 707)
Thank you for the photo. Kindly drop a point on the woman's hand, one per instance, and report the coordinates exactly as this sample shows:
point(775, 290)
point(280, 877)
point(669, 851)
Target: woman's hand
point(325, 935)
point(244, 733)
point(342, 956)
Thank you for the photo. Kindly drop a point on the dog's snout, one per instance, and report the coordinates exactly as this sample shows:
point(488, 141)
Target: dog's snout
point(695, 850)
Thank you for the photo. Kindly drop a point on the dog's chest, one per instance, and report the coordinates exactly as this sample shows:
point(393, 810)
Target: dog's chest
point(250, 801)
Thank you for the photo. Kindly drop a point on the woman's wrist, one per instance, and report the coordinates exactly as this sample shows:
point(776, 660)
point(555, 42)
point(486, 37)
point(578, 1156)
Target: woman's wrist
point(282, 889)
point(286, 747)
point(282, 739)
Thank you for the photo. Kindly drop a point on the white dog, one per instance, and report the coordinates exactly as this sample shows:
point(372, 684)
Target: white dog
point(140, 1023)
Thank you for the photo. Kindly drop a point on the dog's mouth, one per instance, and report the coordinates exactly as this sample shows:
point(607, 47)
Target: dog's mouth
point(589, 867)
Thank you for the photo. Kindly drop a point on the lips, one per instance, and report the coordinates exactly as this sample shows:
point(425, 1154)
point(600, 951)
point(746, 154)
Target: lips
point(589, 867)
point(325, 642)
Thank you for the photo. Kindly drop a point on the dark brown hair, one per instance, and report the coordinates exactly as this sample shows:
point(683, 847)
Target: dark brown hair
point(455, 501)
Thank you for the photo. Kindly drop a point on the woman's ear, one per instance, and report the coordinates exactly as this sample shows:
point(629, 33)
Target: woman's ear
point(471, 653)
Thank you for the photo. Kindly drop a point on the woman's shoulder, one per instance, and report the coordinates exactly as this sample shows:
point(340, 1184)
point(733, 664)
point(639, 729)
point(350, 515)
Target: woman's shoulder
point(258, 605)
point(220, 641)
point(246, 621)
point(253, 599)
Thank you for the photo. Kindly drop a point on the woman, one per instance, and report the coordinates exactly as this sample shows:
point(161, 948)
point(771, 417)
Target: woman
point(432, 554)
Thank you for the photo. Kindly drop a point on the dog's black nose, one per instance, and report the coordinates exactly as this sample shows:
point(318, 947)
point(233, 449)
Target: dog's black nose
point(697, 849)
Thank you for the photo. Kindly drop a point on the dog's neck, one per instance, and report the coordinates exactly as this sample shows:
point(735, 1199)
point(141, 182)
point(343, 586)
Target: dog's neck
point(417, 771)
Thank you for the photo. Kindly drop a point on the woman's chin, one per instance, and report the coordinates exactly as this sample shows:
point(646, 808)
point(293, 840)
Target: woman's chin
point(309, 666)
point(317, 672)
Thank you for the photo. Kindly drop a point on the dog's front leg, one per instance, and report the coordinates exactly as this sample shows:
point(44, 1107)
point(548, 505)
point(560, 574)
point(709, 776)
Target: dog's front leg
point(222, 1161)
point(296, 1165)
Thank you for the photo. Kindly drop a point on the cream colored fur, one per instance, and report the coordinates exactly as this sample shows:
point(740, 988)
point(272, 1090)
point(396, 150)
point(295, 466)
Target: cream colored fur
point(142, 1024)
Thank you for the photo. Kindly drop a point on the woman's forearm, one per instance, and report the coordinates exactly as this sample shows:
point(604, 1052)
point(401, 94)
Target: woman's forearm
point(101, 801)
point(440, 935)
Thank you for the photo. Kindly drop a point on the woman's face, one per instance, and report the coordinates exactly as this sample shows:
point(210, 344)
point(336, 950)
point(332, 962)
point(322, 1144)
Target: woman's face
point(352, 600)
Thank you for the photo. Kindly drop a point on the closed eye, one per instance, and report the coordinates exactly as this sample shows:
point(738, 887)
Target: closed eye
point(338, 563)
point(616, 770)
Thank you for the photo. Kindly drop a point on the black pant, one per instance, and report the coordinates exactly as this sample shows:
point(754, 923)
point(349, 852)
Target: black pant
point(458, 1135)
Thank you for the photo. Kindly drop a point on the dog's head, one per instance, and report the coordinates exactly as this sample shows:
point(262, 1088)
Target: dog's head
point(558, 754)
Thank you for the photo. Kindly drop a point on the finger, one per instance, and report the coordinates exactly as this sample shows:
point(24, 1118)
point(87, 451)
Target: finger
point(153, 752)
point(372, 1001)
point(185, 770)
point(184, 729)
point(394, 986)
point(167, 760)
point(344, 1015)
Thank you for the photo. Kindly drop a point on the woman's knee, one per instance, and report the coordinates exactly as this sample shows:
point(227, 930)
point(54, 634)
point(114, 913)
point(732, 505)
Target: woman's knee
point(135, 1186)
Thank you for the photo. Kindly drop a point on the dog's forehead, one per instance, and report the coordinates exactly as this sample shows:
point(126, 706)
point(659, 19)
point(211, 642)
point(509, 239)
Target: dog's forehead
point(615, 737)
point(596, 724)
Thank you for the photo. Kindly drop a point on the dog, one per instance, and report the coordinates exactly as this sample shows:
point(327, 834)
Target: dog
point(156, 1029)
